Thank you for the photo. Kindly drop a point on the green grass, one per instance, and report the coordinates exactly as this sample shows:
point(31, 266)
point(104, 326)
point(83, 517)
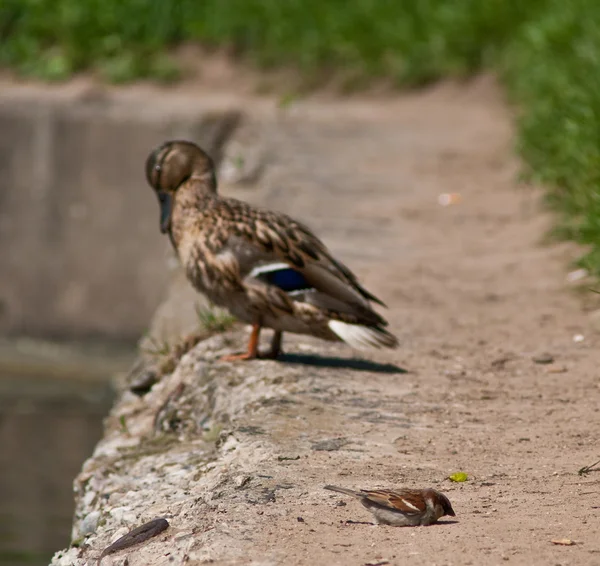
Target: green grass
point(214, 320)
point(552, 70)
point(411, 42)
point(546, 51)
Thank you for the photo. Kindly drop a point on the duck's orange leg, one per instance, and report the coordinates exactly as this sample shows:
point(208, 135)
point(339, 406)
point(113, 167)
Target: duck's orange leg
point(252, 352)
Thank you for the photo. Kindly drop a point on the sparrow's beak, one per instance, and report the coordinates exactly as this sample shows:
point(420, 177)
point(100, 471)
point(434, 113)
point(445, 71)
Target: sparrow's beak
point(166, 206)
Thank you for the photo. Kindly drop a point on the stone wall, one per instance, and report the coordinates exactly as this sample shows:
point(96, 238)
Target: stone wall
point(80, 249)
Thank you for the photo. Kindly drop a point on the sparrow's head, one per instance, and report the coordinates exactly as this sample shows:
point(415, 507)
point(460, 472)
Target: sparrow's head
point(171, 165)
point(441, 502)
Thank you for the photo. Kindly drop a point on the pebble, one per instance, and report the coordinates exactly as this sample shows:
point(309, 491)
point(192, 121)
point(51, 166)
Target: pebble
point(544, 358)
point(89, 523)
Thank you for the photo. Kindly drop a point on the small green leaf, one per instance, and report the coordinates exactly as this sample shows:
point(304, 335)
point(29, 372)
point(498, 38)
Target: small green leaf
point(458, 477)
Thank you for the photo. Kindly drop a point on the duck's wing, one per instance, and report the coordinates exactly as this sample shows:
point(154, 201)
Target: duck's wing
point(290, 256)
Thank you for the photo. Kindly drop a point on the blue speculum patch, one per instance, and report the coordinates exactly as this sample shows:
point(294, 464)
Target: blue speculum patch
point(286, 279)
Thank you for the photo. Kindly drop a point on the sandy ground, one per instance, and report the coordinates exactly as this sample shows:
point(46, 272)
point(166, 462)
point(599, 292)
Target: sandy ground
point(475, 297)
point(499, 356)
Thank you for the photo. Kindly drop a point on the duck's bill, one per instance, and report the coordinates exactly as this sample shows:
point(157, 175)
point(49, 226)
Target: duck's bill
point(166, 206)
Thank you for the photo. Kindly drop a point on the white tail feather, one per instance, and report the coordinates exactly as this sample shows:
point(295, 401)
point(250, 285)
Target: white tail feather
point(361, 337)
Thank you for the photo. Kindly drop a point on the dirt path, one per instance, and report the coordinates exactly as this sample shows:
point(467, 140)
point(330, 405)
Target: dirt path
point(473, 296)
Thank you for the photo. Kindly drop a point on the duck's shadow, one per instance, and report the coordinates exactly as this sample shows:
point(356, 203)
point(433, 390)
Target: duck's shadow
point(343, 363)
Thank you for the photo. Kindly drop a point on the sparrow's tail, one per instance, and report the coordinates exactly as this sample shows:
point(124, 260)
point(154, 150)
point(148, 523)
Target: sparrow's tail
point(344, 490)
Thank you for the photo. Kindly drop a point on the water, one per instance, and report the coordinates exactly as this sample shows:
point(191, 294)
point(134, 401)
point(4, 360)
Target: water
point(51, 415)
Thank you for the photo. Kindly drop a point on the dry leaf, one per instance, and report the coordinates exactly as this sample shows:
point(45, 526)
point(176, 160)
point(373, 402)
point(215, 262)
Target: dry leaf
point(577, 275)
point(448, 199)
point(563, 541)
point(556, 369)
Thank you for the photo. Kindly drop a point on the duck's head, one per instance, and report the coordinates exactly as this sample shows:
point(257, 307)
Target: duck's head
point(170, 166)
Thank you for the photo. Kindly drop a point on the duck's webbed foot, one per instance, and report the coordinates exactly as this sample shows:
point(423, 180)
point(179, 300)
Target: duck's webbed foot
point(252, 353)
point(241, 357)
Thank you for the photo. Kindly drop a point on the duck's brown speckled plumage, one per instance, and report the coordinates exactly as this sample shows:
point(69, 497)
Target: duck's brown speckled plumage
point(222, 242)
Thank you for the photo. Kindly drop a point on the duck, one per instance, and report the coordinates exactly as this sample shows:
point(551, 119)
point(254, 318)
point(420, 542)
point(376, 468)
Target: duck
point(267, 269)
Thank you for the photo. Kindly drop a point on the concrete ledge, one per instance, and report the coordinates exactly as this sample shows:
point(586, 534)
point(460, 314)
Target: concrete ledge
point(224, 450)
point(81, 252)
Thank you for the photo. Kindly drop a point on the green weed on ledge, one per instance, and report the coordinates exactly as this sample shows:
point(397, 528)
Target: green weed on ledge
point(214, 320)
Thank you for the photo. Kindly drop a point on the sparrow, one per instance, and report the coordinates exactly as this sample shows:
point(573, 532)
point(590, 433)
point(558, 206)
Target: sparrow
point(266, 268)
point(402, 507)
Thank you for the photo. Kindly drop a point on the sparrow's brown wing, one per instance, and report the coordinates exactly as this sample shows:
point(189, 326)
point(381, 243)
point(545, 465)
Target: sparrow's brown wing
point(406, 501)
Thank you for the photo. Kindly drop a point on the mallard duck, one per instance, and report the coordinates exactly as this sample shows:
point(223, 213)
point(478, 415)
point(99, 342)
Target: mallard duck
point(266, 268)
